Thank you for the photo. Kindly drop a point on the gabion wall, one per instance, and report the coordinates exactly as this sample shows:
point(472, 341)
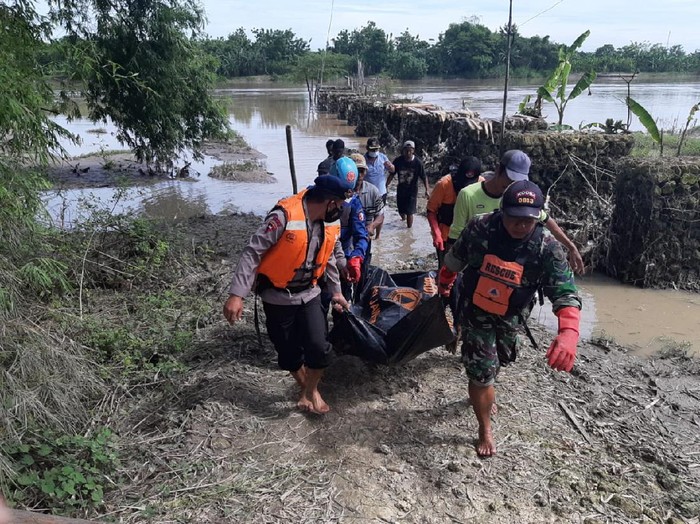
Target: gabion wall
point(655, 230)
point(637, 220)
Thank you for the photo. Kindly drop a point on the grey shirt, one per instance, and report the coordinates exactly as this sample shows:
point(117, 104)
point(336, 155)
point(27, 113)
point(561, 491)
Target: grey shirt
point(263, 239)
point(372, 201)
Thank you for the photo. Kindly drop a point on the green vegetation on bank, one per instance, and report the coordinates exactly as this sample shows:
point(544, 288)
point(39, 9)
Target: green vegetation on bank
point(467, 49)
point(65, 356)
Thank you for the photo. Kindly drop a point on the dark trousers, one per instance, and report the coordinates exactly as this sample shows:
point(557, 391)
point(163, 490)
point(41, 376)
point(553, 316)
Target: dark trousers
point(298, 333)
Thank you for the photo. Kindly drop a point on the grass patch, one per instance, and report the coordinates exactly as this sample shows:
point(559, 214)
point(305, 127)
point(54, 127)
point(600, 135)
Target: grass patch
point(103, 153)
point(230, 169)
point(645, 146)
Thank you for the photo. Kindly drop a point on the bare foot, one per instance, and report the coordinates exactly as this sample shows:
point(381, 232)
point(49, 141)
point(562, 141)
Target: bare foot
point(318, 405)
point(494, 409)
point(485, 446)
point(304, 404)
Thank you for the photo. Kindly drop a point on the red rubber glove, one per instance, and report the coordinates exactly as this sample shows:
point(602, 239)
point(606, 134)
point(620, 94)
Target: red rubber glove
point(438, 241)
point(562, 352)
point(354, 269)
point(446, 279)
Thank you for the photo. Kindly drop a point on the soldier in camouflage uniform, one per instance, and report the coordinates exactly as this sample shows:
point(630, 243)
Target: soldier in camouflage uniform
point(506, 256)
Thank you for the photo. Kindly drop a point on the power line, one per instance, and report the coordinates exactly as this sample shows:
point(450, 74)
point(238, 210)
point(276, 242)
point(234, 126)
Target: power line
point(541, 12)
point(328, 37)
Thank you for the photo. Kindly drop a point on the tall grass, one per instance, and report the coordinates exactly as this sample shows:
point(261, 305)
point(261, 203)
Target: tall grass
point(645, 146)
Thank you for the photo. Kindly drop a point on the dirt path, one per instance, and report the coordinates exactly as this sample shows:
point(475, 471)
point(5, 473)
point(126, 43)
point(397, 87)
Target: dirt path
point(618, 440)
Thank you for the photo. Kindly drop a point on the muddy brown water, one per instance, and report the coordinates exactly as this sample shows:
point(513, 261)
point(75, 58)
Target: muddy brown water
point(644, 320)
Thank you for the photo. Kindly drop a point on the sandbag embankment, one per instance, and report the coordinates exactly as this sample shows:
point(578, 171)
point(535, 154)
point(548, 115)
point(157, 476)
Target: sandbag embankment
point(655, 229)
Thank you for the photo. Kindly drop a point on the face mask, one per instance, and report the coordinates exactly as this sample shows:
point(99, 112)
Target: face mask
point(332, 214)
point(372, 154)
point(459, 181)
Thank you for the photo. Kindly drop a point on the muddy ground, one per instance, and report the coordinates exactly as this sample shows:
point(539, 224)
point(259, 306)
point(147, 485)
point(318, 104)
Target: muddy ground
point(121, 167)
point(617, 440)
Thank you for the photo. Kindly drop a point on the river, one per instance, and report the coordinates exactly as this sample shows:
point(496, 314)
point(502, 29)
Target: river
point(645, 320)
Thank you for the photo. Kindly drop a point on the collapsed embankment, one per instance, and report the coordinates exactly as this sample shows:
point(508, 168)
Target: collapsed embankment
point(635, 219)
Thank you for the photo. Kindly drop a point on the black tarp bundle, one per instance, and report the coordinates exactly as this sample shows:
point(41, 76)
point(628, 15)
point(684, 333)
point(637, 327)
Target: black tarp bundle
point(393, 318)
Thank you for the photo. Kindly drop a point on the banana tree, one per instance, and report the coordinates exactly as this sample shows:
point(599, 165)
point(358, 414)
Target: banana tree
point(648, 122)
point(554, 89)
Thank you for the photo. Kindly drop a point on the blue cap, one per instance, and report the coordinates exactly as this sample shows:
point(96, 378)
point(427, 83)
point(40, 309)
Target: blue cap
point(345, 170)
point(517, 165)
point(331, 185)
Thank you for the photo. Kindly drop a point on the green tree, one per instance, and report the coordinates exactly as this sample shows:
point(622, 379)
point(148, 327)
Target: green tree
point(28, 135)
point(467, 49)
point(142, 69)
point(407, 66)
point(235, 54)
point(278, 49)
point(314, 68)
point(370, 45)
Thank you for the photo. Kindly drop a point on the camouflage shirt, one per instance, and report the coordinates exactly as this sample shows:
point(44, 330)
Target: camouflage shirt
point(546, 266)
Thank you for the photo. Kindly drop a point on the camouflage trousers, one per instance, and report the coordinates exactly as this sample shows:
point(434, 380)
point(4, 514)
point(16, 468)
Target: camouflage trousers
point(488, 342)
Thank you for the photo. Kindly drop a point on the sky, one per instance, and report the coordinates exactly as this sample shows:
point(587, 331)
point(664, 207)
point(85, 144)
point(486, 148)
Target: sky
point(616, 22)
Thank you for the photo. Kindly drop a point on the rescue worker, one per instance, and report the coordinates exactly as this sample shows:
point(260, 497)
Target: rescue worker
point(506, 256)
point(486, 197)
point(292, 249)
point(442, 201)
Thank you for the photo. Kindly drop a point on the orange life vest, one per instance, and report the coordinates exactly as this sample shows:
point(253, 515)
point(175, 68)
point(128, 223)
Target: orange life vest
point(497, 286)
point(497, 281)
point(281, 262)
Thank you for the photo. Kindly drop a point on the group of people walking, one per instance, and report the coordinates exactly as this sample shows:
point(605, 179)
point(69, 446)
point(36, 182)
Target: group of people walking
point(496, 247)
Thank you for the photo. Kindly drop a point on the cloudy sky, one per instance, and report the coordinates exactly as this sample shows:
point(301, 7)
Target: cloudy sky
point(617, 22)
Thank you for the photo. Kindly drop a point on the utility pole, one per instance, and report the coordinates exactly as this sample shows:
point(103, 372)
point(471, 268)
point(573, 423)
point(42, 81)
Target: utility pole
point(509, 36)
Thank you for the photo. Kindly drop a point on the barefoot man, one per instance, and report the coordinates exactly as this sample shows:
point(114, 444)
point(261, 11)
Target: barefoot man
point(288, 253)
point(506, 256)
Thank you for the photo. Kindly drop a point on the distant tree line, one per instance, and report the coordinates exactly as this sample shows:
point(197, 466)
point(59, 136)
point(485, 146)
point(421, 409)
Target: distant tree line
point(465, 50)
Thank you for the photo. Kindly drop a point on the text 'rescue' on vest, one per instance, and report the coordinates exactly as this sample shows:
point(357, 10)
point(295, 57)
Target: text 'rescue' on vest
point(282, 261)
point(497, 285)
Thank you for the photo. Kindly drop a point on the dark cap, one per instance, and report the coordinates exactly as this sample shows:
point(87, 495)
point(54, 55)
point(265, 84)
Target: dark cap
point(517, 164)
point(372, 144)
point(339, 145)
point(471, 164)
point(331, 186)
point(522, 199)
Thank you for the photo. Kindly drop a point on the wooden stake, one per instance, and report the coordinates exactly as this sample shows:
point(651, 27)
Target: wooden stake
point(290, 153)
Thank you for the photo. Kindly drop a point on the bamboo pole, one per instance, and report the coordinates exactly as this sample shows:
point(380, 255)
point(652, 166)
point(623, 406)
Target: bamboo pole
point(290, 153)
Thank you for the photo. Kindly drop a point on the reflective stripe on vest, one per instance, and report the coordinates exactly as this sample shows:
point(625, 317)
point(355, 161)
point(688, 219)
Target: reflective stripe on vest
point(282, 261)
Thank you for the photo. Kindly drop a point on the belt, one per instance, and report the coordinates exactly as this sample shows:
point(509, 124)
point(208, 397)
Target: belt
point(295, 290)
